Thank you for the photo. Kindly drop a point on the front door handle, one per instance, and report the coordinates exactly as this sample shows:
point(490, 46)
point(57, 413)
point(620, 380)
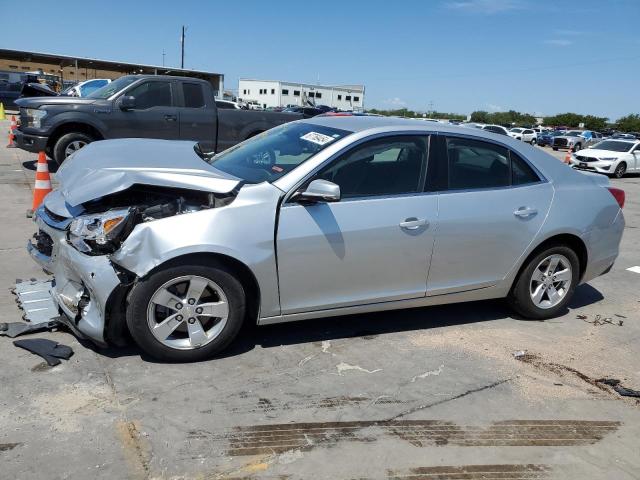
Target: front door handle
point(524, 212)
point(413, 223)
point(170, 118)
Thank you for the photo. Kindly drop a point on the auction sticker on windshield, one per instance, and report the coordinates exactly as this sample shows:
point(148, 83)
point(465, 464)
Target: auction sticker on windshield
point(317, 138)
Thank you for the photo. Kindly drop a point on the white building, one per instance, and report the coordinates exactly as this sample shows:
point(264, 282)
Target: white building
point(274, 93)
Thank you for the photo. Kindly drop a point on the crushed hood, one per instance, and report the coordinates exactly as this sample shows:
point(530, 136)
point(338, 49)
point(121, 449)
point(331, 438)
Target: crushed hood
point(110, 166)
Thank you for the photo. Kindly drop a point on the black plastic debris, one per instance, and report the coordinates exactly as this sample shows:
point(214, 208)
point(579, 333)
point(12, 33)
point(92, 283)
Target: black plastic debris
point(51, 351)
point(599, 320)
point(615, 384)
point(15, 329)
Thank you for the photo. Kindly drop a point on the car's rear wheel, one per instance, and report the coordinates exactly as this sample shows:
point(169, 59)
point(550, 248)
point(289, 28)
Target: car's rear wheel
point(186, 313)
point(546, 284)
point(620, 170)
point(533, 141)
point(69, 144)
point(555, 149)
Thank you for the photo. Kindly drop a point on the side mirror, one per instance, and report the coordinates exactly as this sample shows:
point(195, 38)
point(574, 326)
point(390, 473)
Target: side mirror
point(127, 102)
point(319, 191)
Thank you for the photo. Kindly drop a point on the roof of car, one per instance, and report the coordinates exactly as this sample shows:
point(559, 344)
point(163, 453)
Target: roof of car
point(357, 123)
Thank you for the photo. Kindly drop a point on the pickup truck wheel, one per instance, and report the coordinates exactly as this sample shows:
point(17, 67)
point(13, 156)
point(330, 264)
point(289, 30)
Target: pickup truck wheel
point(69, 144)
point(187, 312)
point(555, 149)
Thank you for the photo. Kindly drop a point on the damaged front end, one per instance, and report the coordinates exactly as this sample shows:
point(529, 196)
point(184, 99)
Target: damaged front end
point(76, 243)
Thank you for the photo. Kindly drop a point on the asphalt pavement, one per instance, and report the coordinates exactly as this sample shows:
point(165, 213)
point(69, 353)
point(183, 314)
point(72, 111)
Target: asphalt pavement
point(458, 391)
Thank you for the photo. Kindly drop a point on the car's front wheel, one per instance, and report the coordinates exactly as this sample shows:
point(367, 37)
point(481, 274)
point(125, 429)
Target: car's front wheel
point(68, 144)
point(546, 284)
point(186, 313)
point(620, 170)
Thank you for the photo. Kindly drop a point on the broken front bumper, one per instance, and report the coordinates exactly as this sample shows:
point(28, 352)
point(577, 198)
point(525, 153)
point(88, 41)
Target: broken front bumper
point(82, 284)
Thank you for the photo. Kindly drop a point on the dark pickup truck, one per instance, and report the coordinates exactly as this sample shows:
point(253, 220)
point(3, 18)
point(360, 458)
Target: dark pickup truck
point(142, 106)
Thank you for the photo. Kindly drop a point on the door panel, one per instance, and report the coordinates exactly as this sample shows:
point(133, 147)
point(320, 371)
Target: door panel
point(480, 238)
point(354, 252)
point(154, 115)
point(197, 114)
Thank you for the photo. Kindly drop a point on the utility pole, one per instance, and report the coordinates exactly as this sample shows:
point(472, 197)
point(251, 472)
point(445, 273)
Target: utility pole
point(182, 43)
point(163, 54)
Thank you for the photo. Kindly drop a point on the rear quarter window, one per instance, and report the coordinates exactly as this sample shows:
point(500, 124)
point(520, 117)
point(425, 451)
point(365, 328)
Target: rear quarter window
point(193, 95)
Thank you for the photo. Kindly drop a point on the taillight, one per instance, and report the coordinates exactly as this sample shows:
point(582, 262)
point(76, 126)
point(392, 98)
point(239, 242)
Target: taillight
point(618, 194)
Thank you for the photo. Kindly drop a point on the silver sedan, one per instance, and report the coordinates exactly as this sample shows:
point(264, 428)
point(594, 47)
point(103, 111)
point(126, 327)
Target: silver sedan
point(329, 216)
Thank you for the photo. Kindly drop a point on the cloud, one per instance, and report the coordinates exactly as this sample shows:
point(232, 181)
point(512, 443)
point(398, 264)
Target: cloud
point(488, 7)
point(559, 42)
point(396, 102)
point(568, 33)
point(495, 108)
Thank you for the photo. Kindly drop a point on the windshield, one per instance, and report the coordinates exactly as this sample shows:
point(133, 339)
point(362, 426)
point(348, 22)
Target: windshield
point(272, 154)
point(517, 130)
point(113, 87)
point(613, 146)
point(573, 133)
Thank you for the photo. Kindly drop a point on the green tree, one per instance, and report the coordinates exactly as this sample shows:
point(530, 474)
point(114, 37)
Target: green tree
point(480, 116)
point(630, 123)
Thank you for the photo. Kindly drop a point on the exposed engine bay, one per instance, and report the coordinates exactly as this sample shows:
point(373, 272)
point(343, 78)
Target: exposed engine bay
point(105, 222)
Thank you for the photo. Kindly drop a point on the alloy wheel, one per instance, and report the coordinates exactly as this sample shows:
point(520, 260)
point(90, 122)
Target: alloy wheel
point(187, 312)
point(621, 169)
point(550, 281)
point(73, 147)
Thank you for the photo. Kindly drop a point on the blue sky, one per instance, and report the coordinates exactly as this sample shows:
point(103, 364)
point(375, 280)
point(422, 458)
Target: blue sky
point(538, 56)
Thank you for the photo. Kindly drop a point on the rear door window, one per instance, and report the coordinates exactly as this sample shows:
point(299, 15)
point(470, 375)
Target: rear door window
point(521, 172)
point(193, 96)
point(476, 164)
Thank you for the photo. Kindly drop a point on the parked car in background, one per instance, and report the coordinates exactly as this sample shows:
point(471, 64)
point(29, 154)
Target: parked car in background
point(546, 138)
point(83, 89)
point(147, 106)
point(527, 135)
point(575, 139)
point(611, 157)
point(227, 104)
point(253, 105)
point(307, 112)
point(312, 219)
point(499, 129)
point(623, 136)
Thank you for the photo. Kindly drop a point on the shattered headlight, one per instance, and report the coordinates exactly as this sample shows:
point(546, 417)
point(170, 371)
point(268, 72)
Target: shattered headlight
point(34, 117)
point(100, 232)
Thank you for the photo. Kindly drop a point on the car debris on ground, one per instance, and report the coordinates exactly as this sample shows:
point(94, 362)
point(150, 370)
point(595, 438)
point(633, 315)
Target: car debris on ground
point(598, 320)
point(616, 385)
point(51, 351)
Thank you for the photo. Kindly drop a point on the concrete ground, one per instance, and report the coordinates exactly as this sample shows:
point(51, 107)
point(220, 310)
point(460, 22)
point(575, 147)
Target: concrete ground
point(421, 394)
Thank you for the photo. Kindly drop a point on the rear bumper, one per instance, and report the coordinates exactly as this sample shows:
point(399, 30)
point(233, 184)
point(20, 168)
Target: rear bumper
point(31, 143)
point(82, 284)
point(606, 242)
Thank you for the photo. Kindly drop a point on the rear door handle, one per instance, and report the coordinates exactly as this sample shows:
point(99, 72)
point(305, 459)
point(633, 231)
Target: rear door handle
point(170, 118)
point(413, 223)
point(525, 212)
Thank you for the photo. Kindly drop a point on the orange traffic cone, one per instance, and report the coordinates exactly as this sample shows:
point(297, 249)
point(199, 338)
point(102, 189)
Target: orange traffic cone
point(43, 181)
point(12, 137)
point(567, 157)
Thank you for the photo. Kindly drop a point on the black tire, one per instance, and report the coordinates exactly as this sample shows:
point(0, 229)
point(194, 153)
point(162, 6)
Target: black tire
point(64, 141)
point(555, 149)
point(533, 141)
point(577, 147)
point(141, 293)
point(620, 170)
point(520, 299)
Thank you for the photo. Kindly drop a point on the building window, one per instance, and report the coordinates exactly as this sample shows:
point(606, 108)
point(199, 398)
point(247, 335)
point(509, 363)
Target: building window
point(339, 97)
point(296, 93)
point(285, 92)
point(356, 99)
point(348, 98)
point(311, 94)
point(244, 92)
point(318, 95)
point(273, 91)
